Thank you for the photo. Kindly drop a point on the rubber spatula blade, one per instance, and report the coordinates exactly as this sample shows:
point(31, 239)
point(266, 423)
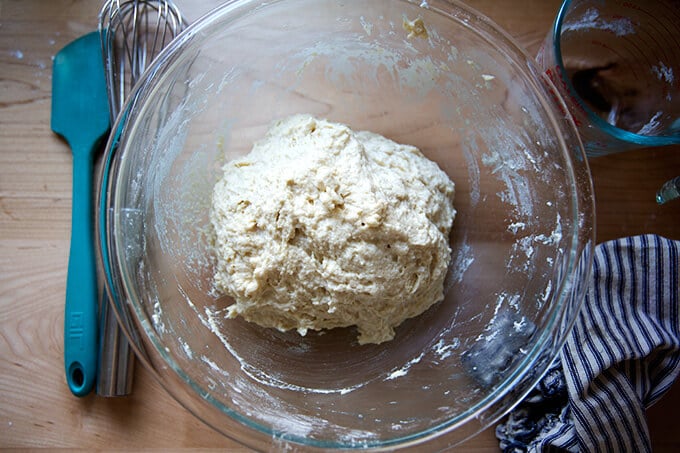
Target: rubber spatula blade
point(80, 114)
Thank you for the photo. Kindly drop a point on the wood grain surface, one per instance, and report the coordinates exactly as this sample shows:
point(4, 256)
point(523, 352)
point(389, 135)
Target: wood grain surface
point(36, 407)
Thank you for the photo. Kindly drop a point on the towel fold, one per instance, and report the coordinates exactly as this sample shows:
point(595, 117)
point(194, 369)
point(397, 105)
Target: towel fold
point(622, 355)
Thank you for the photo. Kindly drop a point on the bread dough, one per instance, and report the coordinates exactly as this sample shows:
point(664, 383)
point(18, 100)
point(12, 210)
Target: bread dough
point(415, 28)
point(321, 227)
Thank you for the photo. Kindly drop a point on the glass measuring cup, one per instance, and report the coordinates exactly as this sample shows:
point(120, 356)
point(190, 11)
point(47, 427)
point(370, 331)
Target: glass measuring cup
point(617, 66)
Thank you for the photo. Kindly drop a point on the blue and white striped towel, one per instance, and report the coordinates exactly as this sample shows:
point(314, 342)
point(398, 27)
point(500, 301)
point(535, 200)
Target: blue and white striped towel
point(621, 357)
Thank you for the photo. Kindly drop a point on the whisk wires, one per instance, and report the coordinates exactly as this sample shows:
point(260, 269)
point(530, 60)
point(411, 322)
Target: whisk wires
point(132, 33)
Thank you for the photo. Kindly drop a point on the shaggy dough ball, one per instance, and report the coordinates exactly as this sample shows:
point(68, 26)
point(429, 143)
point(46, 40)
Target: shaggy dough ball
point(321, 227)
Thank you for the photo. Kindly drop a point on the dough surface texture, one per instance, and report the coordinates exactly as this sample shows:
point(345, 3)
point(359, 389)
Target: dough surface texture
point(321, 227)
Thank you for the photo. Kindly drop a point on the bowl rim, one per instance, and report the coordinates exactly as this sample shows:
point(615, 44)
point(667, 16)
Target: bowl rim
point(491, 408)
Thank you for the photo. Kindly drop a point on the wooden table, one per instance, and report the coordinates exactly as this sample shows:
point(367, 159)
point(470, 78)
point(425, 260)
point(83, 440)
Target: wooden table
point(36, 408)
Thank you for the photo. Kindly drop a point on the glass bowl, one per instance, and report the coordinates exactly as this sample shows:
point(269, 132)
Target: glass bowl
point(465, 94)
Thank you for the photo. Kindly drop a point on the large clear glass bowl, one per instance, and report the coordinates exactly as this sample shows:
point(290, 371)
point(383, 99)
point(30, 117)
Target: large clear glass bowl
point(472, 101)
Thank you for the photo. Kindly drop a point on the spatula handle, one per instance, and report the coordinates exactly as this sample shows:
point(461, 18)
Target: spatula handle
point(80, 316)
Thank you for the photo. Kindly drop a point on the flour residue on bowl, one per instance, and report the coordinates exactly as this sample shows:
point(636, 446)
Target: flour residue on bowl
point(444, 349)
point(591, 19)
point(402, 371)
point(503, 164)
point(252, 398)
point(421, 73)
point(463, 257)
point(214, 319)
point(419, 69)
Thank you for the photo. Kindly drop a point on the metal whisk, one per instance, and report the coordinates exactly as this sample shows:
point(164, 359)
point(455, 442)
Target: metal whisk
point(132, 33)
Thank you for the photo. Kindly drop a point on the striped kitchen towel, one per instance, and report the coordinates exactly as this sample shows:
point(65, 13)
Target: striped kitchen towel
point(622, 355)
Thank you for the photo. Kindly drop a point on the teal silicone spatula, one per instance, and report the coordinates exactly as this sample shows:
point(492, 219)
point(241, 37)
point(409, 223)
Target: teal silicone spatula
point(80, 114)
